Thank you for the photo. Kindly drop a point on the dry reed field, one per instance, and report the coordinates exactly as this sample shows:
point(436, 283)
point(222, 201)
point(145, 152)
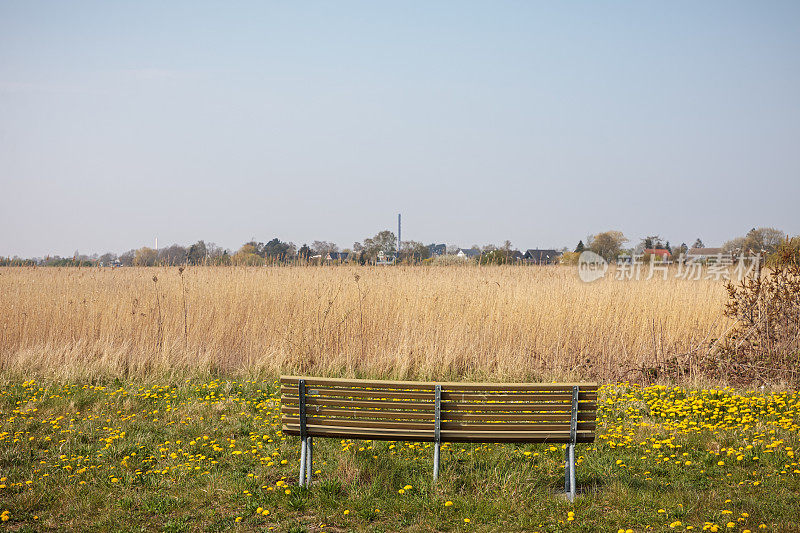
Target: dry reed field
point(499, 322)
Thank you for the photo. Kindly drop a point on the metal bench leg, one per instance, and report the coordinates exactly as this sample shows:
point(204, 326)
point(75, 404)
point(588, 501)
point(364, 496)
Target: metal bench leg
point(570, 476)
point(302, 480)
point(573, 476)
point(567, 475)
point(436, 461)
point(309, 460)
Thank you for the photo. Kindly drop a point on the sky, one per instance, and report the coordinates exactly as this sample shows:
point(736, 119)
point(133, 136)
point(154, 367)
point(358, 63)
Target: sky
point(536, 122)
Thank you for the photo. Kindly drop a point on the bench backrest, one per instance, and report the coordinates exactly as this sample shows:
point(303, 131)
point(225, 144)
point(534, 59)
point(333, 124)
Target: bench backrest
point(438, 411)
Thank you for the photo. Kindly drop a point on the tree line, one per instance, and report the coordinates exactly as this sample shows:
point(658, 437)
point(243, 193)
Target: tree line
point(607, 244)
point(611, 244)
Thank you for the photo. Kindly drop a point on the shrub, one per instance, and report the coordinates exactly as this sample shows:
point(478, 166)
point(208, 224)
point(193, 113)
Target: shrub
point(764, 343)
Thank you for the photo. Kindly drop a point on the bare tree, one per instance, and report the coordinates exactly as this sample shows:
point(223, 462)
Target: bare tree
point(323, 247)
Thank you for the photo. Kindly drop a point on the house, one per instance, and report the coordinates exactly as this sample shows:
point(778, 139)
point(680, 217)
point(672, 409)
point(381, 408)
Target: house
point(542, 257)
point(660, 253)
point(468, 253)
point(337, 256)
point(701, 255)
point(385, 259)
point(437, 249)
point(516, 255)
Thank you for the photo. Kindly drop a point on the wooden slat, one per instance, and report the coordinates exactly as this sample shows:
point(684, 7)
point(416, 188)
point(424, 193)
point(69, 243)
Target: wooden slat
point(429, 385)
point(362, 413)
point(451, 396)
point(499, 413)
point(514, 397)
point(529, 406)
point(358, 393)
point(366, 404)
point(562, 407)
point(361, 433)
point(344, 422)
point(532, 417)
point(486, 426)
point(516, 417)
point(506, 426)
point(503, 406)
point(583, 407)
point(314, 401)
point(447, 435)
point(515, 436)
point(290, 394)
point(362, 383)
point(521, 387)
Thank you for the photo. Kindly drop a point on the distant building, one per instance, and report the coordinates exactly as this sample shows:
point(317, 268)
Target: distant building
point(437, 249)
point(337, 256)
point(468, 253)
point(385, 259)
point(701, 255)
point(516, 255)
point(542, 257)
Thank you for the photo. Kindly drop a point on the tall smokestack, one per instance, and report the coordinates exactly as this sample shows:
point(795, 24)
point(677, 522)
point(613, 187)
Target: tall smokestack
point(398, 235)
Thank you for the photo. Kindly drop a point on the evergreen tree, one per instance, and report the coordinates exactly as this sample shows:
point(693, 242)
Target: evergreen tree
point(580, 247)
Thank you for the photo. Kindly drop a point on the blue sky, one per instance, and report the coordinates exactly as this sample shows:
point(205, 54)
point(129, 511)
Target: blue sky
point(480, 121)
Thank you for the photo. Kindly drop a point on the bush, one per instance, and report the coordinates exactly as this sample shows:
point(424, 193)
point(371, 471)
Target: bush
point(570, 258)
point(494, 257)
point(764, 343)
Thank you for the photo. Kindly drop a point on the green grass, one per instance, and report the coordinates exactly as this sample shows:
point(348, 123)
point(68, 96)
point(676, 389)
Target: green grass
point(194, 455)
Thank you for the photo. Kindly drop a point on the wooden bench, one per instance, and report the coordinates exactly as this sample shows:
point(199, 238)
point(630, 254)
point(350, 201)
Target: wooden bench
point(438, 412)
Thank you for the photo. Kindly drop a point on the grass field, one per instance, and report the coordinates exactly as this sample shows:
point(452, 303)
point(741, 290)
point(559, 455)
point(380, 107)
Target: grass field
point(207, 455)
point(145, 400)
point(498, 323)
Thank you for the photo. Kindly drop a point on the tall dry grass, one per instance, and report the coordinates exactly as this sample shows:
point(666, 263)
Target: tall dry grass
point(505, 323)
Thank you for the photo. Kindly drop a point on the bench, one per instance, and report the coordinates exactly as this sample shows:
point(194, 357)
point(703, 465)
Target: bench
point(438, 412)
